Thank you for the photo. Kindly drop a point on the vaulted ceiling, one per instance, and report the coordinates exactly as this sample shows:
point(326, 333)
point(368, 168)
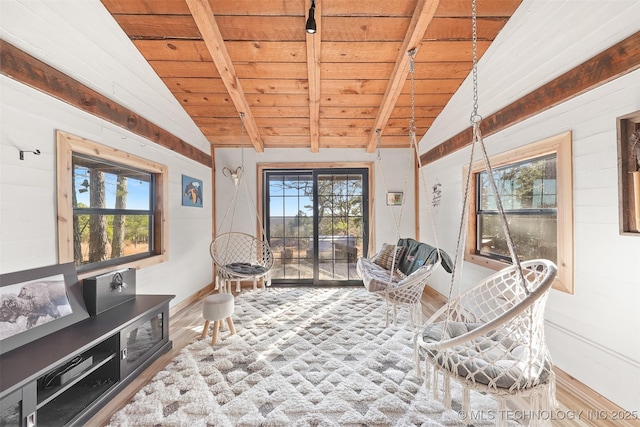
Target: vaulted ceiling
point(224, 60)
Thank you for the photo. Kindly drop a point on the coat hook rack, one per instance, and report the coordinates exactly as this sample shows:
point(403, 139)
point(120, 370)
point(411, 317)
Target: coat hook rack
point(36, 152)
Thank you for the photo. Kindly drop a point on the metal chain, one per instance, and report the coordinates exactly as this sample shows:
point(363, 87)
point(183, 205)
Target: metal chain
point(474, 43)
point(412, 122)
point(242, 140)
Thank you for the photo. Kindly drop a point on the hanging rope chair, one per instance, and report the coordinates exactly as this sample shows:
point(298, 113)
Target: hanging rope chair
point(240, 256)
point(491, 337)
point(399, 273)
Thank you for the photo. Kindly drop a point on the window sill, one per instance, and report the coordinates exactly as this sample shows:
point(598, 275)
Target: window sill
point(138, 264)
point(561, 283)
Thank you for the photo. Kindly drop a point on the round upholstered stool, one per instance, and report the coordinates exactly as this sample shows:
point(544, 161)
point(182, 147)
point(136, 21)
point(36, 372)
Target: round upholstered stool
point(217, 308)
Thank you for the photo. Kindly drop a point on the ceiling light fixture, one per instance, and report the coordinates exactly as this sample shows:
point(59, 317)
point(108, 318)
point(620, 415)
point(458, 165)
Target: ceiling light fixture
point(311, 21)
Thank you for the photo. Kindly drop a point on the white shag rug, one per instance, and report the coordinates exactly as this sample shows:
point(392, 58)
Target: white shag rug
point(301, 357)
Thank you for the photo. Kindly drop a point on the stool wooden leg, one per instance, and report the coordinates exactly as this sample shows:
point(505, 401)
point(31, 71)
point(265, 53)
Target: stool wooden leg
point(205, 329)
point(232, 330)
point(216, 326)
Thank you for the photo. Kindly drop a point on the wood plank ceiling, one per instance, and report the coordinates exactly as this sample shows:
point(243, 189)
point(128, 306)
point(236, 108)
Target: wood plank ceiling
point(331, 89)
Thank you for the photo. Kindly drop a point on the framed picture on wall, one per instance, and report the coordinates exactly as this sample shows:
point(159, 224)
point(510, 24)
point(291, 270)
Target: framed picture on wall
point(191, 191)
point(394, 198)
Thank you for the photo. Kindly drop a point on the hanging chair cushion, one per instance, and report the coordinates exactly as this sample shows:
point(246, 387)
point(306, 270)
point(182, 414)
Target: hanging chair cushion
point(417, 254)
point(497, 361)
point(246, 269)
point(375, 277)
point(385, 258)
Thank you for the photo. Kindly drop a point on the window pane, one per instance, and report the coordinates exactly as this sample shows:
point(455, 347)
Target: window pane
point(106, 237)
point(525, 185)
point(98, 184)
point(276, 187)
point(534, 236)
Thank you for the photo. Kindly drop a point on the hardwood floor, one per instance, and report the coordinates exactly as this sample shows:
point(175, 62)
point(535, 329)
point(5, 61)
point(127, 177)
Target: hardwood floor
point(579, 405)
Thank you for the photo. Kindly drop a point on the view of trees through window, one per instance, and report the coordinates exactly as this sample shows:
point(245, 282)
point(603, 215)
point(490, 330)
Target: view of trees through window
point(528, 192)
point(112, 211)
point(338, 210)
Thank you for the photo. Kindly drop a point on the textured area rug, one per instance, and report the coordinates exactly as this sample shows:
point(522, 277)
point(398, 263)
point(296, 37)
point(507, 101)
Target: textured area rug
point(301, 357)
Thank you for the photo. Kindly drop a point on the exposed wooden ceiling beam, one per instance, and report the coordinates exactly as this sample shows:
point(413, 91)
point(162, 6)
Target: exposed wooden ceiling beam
point(206, 22)
point(618, 60)
point(26, 69)
point(313, 70)
point(422, 16)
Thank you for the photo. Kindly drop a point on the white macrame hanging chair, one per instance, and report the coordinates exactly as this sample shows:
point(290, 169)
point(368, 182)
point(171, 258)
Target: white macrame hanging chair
point(491, 337)
point(240, 256)
point(395, 288)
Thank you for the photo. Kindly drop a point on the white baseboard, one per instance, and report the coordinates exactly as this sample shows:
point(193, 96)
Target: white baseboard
point(608, 372)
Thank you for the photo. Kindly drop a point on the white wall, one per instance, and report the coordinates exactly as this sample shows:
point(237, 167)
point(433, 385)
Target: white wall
point(81, 39)
point(593, 334)
point(394, 165)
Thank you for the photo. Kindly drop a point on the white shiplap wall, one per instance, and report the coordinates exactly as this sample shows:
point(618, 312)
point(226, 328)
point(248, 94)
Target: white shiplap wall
point(81, 39)
point(593, 334)
point(394, 176)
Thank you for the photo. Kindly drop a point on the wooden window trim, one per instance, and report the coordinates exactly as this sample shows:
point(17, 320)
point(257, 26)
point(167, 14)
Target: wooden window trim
point(561, 145)
point(628, 173)
point(67, 144)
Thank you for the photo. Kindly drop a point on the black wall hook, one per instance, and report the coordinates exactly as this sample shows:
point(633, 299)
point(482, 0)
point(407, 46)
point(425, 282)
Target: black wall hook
point(36, 152)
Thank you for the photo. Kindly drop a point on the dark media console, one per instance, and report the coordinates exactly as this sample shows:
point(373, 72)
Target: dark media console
point(64, 377)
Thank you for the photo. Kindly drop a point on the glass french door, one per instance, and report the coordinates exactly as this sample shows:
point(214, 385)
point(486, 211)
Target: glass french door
point(317, 222)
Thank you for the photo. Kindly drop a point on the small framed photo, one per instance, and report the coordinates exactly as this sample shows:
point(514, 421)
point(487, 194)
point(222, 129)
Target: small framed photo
point(394, 198)
point(191, 191)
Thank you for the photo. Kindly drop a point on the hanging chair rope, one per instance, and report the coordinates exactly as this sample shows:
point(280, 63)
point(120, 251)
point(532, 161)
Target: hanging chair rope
point(241, 255)
point(392, 286)
point(491, 337)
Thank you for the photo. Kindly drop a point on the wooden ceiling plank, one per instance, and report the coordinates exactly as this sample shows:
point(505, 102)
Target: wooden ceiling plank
point(484, 8)
point(179, 7)
point(368, 100)
point(146, 7)
point(422, 16)
point(348, 112)
point(276, 86)
point(201, 69)
point(461, 28)
point(195, 85)
point(245, 70)
point(158, 26)
point(432, 86)
point(425, 100)
point(228, 111)
point(173, 50)
point(313, 42)
point(355, 70)
point(373, 8)
point(205, 20)
point(362, 52)
point(353, 86)
point(266, 51)
point(259, 28)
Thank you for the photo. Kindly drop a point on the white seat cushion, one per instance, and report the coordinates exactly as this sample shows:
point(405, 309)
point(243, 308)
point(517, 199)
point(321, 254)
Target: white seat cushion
point(498, 359)
point(218, 306)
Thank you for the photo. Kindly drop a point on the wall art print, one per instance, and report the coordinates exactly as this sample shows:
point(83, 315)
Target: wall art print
point(32, 303)
point(191, 191)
